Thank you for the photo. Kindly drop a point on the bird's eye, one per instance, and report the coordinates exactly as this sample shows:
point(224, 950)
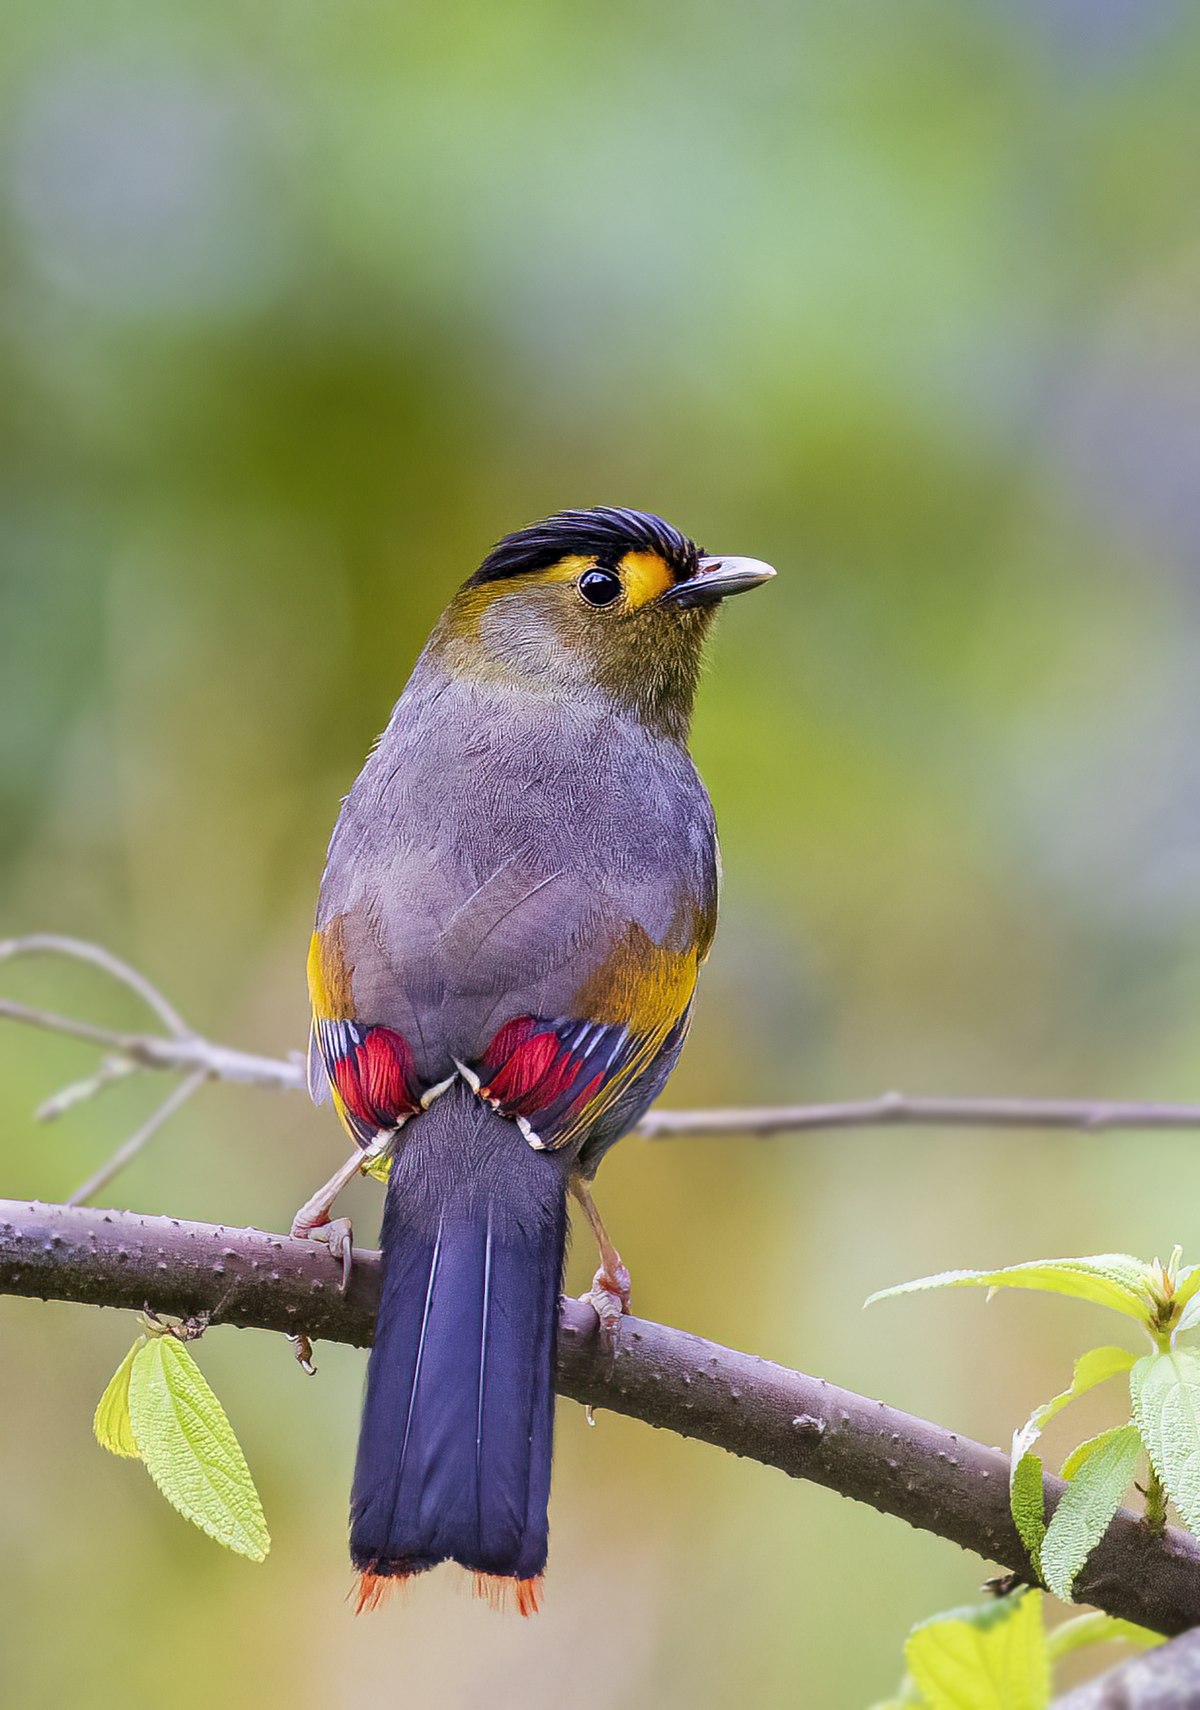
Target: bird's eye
point(600, 587)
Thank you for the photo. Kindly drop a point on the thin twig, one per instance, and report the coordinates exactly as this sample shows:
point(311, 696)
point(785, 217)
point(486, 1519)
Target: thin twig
point(82, 950)
point(129, 1150)
point(181, 1051)
point(896, 1108)
point(900, 1465)
point(110, 1070)
point(178, 1056)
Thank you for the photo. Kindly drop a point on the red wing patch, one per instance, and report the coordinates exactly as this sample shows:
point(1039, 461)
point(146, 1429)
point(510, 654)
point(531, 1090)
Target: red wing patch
point(371, 1072)
point(546, 1074)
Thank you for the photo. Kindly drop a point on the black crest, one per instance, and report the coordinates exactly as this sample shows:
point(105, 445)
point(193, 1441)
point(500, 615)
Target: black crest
point(605, 534)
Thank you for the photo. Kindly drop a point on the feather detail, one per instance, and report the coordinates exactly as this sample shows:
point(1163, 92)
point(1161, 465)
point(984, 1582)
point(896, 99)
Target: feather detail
point(370, 1070)
point(315, 1071)
point(496, 1589)
point(374, 1589)
point(555, 1079)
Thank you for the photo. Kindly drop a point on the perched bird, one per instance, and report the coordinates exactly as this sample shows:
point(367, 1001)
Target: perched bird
point(520, 889)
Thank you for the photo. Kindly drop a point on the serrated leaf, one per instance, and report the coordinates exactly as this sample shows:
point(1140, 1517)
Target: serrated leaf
point(1084, 1451)
point(1097, 1366)
point(1095, 1628)
point(1098, 1481)
point(190, 1449)
point(1094, 1367)
point(1025, 1475)
point(110, 1422)
point(993, 1658)
point(1166, 1406)
point(1116, 1280)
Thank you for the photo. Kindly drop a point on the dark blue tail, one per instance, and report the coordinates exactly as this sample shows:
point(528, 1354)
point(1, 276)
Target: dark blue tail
point(454, 1451)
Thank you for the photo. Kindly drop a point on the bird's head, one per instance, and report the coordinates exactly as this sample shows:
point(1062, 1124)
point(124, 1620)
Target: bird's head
point(605, 603)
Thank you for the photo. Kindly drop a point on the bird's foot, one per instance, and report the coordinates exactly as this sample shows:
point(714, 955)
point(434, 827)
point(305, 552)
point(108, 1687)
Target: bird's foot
point(303, 1350)
point(335, 1232)
point(609, 1295)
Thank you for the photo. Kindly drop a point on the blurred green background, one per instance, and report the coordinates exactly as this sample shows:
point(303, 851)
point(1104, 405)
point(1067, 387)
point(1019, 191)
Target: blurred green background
point(301, 306)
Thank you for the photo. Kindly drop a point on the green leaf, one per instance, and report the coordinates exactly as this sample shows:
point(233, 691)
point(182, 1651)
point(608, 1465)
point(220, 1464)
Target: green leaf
point(992, 1658)
point(110, 1422)
point(1026, 1500)
point(1116, 1280)
point(1166, 1405)
point(1099, 1478)
point(1187, 1285)
point(1084, 1451)
point(1094, 1367)
point(188, 1445)
point(1025, 1476)
point(1093, 1629)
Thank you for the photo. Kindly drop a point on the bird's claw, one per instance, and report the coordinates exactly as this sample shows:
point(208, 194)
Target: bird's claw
point(337, 1234)
point(302, 1348)
point(609, 1296)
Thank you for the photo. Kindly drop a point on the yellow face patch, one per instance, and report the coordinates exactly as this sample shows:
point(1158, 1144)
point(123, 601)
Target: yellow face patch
point(645, 576)
point(564, 570)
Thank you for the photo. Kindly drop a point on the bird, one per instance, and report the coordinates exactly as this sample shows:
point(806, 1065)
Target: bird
point(519, 892)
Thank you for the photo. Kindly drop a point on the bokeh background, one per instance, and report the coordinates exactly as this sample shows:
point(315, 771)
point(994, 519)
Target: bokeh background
point(301, 306)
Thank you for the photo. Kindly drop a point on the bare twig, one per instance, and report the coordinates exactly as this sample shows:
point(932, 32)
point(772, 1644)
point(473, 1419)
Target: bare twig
point(130, 1148)
point(81, 950)
point(181, 1050)
point(900, 1465)
point(179, 1056)
point(110, 1069)
point(896, 1108)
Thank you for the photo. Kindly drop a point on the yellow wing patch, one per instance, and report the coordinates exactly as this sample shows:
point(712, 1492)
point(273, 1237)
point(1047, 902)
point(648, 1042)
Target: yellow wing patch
point(640, 985)
point(646, 988)
point(329, 973)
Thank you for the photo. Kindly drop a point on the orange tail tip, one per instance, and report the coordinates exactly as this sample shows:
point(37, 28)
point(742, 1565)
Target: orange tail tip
point(497, 1588)
point(374, 1589)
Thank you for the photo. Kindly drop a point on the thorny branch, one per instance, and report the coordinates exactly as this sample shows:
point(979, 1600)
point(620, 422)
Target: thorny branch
point(900, 1465)
point(182, 1051)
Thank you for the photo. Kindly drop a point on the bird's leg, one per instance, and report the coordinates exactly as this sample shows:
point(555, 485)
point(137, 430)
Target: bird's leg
point(610, 1289)
point(313, 1223)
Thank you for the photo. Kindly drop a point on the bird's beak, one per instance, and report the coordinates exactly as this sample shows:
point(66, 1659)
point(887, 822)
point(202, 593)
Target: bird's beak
point(715, 578)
